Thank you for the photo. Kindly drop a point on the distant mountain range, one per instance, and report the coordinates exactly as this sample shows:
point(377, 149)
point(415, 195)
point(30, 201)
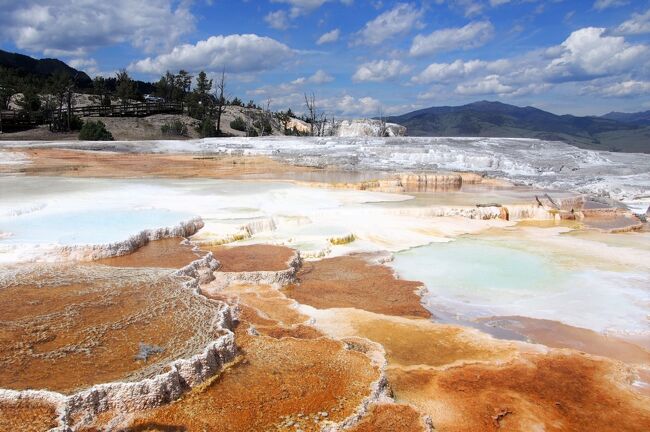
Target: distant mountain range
point(640, 118)
point(613, 132)
point(25, 65)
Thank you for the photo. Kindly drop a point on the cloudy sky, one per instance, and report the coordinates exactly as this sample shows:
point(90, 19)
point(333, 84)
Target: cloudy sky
point(360, 57)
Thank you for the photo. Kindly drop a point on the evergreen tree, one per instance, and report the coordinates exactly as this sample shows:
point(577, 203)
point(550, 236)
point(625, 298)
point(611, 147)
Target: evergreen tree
point(203, 84)
point(101, 94)
point(182, 83)
point(126, 87)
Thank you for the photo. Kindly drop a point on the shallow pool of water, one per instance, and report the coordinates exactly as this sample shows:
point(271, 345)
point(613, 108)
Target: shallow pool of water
point(474, 277)
point(85, 227)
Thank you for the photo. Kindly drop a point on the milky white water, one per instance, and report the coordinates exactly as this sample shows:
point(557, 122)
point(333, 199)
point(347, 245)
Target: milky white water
point(75, 211)
point(481, 277)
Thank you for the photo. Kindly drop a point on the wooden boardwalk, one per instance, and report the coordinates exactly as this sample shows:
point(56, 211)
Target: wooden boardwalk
point(128, 110)
point(20, 119)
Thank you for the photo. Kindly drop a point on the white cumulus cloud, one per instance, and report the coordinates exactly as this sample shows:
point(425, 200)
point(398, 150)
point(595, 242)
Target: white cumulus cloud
point(319, 77)
point(622, 89)
point(278, 20)
point(380, 70)
point(75, 27)
point(302, 7)
point(237, 53)
point(442, 72)
point(606, 4)
point(473, 35)
point(329, 37)
point(402, 18)
point(637, 24)
point(490, 84)
point(589, 53)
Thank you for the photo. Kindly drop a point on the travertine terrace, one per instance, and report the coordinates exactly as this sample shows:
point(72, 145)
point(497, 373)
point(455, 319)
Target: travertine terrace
point(286, 285)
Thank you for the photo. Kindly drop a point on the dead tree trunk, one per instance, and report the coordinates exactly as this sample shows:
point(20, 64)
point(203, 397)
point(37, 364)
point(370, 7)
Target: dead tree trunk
point(221, 100)
point(310, 104)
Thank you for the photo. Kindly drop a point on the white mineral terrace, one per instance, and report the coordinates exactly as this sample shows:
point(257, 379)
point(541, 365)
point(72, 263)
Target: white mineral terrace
point(546, 164)
point(480, 250)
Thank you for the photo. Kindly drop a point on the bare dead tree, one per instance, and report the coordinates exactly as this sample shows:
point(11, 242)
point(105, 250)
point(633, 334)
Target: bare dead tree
point(220, 98)
point(268, 117)
point(382, 123)
point(312, 114)
point(321, 122)
point(69, 99)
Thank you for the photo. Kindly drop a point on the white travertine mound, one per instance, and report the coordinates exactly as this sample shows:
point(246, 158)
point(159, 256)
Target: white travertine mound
point(509, 212)
point(368, 128)
point(543, 164)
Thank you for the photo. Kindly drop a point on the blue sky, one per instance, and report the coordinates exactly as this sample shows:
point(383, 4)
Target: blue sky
point(360, 57)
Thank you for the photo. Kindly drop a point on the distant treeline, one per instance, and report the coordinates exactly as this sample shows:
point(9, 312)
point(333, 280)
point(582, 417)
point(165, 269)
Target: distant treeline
point(49, 85)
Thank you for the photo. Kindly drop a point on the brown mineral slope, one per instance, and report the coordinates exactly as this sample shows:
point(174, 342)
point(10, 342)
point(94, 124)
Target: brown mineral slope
point(251, 258)
point(466, 381)
point(278, 383)
point(288, 376)
point(27, 416)
point(172, 253)
point(390, 417)
point(559, 335)
point(353, 281)
point(113, 164)
point(106, 164)
point(323, 353)
point(65, 328)
point(557, 391)
point(73, 327)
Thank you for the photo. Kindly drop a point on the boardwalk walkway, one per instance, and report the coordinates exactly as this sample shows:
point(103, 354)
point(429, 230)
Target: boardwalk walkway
point(19, 119)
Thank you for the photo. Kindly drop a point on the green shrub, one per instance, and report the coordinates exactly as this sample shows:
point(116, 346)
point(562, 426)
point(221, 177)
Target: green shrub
point(252, 133)
point(94, 131)
point(238, 124)
point(207, 128)
point(264, 125)
point(60, 124)
point(175, 128)
point(76, 123)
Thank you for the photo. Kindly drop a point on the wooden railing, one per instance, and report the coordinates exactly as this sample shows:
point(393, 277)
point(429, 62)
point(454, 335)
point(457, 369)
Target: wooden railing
point(127, 110)
point(10, 119)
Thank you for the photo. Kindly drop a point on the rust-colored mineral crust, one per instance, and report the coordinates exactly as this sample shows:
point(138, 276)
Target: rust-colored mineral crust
point(353, 281)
